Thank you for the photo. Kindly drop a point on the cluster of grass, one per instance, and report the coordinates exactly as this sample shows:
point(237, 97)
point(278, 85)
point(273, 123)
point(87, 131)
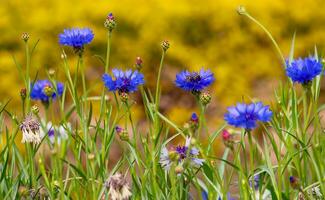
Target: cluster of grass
point(283, 162)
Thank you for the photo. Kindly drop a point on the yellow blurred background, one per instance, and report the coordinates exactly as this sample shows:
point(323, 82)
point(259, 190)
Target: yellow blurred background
point(207, 34)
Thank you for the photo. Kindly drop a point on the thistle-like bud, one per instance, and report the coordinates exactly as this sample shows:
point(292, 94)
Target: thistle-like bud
point(124, 96)
point(23, 94)
point(228, 139)
point(241, 10)
point(179, 169)
point(35, 109)
point(48, 91)
point(110, 22)
point(165, 45)
point(25, 37)
point(205, 98)
point(138, 63)
point(124, 135)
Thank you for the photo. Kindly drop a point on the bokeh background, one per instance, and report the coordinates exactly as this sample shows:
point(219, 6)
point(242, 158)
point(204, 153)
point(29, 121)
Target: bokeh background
point(207, 34)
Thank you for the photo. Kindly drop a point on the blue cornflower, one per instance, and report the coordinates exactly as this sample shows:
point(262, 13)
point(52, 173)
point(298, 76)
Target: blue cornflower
point(180, 154)
point(303, 70)
point(76, 37)
point(43, 90)
point(123, 82)
point(194, 81)
point(246, 115)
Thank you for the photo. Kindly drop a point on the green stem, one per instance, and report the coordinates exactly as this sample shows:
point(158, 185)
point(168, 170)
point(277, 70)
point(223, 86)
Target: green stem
point(157, 96)
point(269, 35)
point(108, 50)
point(28, 89)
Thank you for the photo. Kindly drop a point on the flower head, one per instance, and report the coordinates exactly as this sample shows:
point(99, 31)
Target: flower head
point(180, 154)
point(31, 130)
point(194, 81)
point(123, 81)
point(118, 187)
point(246, 115)
point(43, 90)
point(303, 70)
point(76, 37)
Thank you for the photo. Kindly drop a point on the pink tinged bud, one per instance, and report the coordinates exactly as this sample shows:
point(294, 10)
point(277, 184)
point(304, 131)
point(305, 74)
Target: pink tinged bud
point(118, 129)
point(138, 61)
point(226, 135)
point(110, 16)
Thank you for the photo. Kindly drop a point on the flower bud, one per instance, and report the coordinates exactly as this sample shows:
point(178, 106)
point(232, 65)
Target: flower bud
point(110, 22)
point(241, 10)
point(205, 98)
point(48, 91)
point(179, 169)
point(22, 191)
point(25, 37)
point(194, 121)
point(23, 93)
point(165, 45)
point(124, 135)
point(124, 96)
point(228, 139)
point(294, 182)
point(138, 63)
point(35, 109)
point(91, 156)
point(56, 184)
point(51, 72)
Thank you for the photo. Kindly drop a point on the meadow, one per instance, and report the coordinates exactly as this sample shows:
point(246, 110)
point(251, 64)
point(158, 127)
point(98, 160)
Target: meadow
point(69, 128)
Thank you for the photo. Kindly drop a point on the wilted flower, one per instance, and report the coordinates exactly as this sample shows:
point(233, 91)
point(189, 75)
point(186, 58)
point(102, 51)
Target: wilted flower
point(246, 115)
point(303, 70)
point(123, 82)
point(316, 193)
point(57, 133)
point(31, 130)
point(43, 90)
point(76, 38)
point(180, 155)
point(118, 187)
point(194, 81)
